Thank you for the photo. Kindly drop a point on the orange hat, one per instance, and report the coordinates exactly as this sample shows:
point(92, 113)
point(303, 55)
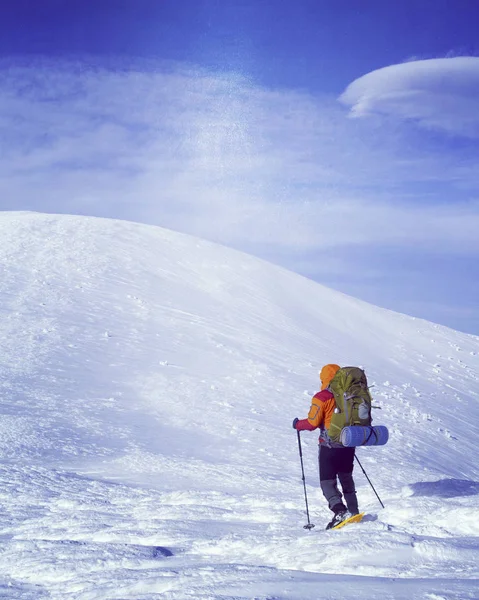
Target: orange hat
point(327, 373)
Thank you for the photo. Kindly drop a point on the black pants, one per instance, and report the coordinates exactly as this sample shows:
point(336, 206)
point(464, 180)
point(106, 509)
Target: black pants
point(337, 463)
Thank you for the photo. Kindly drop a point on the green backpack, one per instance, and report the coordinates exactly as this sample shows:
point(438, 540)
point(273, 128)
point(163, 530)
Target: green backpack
point(353, 401)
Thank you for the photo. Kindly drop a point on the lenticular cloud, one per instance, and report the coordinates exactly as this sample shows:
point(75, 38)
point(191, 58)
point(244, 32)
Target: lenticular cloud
point(441, 94)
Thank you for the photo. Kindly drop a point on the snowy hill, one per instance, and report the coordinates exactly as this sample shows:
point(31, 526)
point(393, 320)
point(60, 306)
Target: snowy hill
point(148, 383)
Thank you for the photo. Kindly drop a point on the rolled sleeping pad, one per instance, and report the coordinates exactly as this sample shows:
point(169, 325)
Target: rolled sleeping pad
point(360, 435)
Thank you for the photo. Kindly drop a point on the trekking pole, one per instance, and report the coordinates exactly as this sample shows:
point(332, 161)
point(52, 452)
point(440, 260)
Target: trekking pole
point(309, 525)
point(369, 480)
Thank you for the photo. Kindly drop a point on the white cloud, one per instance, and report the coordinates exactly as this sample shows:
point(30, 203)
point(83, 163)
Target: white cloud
point(441, 94)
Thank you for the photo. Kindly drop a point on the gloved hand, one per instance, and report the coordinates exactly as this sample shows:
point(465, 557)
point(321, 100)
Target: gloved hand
point(294, 422)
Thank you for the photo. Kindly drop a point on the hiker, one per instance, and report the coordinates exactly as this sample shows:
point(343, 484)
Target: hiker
point(335, 460)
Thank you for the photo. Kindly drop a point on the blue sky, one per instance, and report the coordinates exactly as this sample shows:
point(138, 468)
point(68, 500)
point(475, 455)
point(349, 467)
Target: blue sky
point(336, 138)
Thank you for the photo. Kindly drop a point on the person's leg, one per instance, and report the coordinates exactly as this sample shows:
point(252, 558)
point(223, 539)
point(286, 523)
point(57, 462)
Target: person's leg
point(328, 479)
point(345, 474)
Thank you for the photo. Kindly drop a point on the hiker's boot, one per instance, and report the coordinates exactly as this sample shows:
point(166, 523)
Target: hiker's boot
point(340, 514)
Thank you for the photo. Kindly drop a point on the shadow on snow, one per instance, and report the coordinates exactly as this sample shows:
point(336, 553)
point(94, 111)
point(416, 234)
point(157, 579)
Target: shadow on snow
point(446, 488)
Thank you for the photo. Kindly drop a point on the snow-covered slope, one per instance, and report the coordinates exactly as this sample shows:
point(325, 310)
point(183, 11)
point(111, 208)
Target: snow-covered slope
point(148, 385)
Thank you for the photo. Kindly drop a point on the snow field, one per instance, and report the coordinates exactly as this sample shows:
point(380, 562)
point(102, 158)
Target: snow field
point(148, 384)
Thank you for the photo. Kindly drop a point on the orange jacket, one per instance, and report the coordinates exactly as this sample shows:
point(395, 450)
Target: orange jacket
point(320, 413)
point(322, 403)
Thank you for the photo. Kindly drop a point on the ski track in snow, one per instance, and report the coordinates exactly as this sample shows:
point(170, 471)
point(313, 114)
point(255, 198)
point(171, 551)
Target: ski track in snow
point(148, 383)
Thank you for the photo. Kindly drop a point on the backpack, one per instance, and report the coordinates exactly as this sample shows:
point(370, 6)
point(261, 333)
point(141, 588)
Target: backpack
point(353, 401)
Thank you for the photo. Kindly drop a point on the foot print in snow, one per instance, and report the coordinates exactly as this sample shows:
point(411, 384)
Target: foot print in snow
point(161, 551)
point(447, 433)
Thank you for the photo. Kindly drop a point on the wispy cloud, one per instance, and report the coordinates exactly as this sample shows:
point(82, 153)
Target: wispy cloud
point(279, 173)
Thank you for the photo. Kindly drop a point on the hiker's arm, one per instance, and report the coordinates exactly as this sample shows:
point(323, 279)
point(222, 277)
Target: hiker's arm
point(303, 425)
point(316, 413)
